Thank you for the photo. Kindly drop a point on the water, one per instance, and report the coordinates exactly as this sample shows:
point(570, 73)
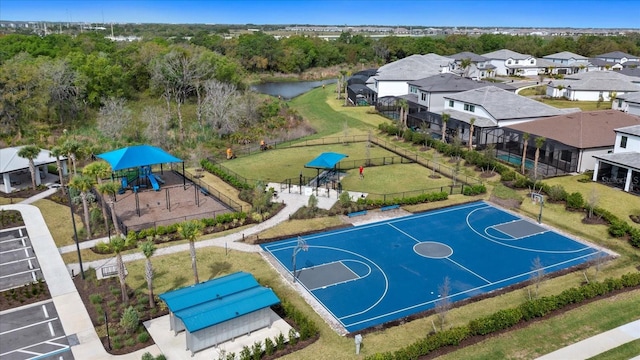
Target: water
point(289, 90)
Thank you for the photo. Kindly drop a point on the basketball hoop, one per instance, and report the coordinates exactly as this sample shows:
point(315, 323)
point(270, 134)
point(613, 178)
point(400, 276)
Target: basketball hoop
point(300, 246)
point(538, 198)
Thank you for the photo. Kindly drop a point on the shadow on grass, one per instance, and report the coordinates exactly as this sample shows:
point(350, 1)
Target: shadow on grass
point(218, 268)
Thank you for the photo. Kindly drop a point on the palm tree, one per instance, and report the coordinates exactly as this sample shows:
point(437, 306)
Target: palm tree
point(57, 152)
point(148, 248)
point(539, 142)
point(118, 244)
point(83, 184)
point(99, 170)
point(30, 152)
point(71, 148)
point(472, 121)
point(465, 64)
point(445, 120)
point(190, 230)
point(111, 188)
point(345, 84)
point(525, 139)
point(404, 106)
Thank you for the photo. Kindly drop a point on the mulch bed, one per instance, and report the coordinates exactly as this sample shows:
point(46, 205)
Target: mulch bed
point(24, 296)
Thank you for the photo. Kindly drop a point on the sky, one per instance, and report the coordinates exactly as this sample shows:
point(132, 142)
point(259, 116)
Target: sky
point(461, 13)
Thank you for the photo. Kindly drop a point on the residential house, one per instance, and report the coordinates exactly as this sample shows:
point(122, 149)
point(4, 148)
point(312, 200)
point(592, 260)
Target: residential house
point(596, 64)
point(629, 103)
point(357, 90)
point(618, 57)
point(479, 67)
point(572, 141)
point(593, 86)
point(391, 79)
point(622, 167)
point(566, 62)
point(508, 63)
point(491, 108)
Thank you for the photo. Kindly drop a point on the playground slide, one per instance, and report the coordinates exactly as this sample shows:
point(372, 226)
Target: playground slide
point(153, 181)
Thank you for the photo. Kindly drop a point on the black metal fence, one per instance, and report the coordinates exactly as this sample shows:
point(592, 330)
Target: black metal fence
point(450, 189)
point(205, 189)
point(167, 222)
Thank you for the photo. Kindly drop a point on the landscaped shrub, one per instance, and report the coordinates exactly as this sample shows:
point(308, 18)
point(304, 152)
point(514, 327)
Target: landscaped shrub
point(634, 236)
point(130, 320)
point(210, 167)
point(575, 201)
point(474, 190)
point(556, 193)
point(618, 228)
point(269, 346)
point(143, 337)
point(499, 320)
point(507, 175)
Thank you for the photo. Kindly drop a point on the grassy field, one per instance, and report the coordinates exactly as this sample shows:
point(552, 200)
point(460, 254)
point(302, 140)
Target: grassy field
point(582, 105)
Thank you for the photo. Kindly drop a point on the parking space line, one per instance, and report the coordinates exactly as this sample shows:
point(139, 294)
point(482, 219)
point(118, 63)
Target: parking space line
point(21, 260)
point(64, 348)
point(14, 239)
point(44, 309)
point(20, 273)
point(28, 326)
point(53, 333)
point(10, 251)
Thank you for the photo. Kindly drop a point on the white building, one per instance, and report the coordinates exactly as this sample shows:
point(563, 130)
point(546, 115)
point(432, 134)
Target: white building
point(622, 167)
point(391, 79)
point(509, 63)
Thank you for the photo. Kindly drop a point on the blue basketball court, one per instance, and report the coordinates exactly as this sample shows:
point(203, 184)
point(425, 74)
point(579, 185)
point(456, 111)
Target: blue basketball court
point(372, 274)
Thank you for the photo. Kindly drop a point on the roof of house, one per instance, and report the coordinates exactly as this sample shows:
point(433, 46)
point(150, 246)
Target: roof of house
point(506, 54)
point(468, 55)
point(633, 72)
point(481, 121)
point(630, 159)
point(633, 97)
point(10, 161)
point(505, 105)
point(582, 130)
point(453, 83)
point(218, 300)
point(631, 130)
point(413, 67)
point(601, 62)
point(597, 85)
point(600, 74)
point(565, 55)
point(616, 55)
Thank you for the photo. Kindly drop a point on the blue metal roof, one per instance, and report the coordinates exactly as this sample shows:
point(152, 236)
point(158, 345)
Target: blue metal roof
point(200, 293)
point(218, 311)
point(326, 160)
point(135, 156)
point(218, 300)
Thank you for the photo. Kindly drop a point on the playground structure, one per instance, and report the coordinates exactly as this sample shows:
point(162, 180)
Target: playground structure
point(135, 179)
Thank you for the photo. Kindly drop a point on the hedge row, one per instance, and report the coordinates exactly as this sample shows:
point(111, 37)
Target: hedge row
point(506, 318)
point(474, 190)
point(211, 167)
point(423, 198)
point(306, 327)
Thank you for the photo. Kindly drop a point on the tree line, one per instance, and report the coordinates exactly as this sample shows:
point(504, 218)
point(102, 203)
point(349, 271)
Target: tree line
point(71, 81)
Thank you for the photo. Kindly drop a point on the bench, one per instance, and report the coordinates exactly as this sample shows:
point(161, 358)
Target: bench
point(357, 213)
point(389, 207)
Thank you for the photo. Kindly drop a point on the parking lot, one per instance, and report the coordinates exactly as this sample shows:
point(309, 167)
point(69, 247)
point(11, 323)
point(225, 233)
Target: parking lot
point(33, 332)
point(18, 263)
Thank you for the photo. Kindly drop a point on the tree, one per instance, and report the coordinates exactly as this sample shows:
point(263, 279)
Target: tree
point(157, 125)
point(592, 201)
point(65, 88)
point(525, 139)
point(57, 152)
point(72, 148)
point(472, 121)
point(261, 197)
point(30, 152)
point(444, 304)
point(465, 64)
point(148, 248)
point(445, 119)
point(111, 188)
point(114, 117)
point(537, 274)
point(99, 170)
point(190, 230)
point(119, 244)
point(539, 142)
point(219, 99)
point(83, 184)
point(404, 109)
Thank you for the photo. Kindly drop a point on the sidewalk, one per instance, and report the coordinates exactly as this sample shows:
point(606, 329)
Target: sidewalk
point(597, 344)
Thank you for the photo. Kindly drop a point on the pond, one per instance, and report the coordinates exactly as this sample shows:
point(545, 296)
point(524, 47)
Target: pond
point(289, 90)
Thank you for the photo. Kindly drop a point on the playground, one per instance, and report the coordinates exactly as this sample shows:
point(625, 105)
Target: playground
point(372, 274)
point(171, 203)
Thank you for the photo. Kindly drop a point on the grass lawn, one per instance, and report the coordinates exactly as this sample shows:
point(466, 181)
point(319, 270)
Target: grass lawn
point(279, 164)
point(583, 105)
point(58, 219)
point(384, 179)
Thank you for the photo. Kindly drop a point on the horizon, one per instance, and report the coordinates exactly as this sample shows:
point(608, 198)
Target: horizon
point(617, 14)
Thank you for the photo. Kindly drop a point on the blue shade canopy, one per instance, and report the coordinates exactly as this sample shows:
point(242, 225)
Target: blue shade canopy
point(135, 156)
point(326, 160)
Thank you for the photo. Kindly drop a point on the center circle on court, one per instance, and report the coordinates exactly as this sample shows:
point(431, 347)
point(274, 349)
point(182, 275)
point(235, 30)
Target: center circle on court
point(433, 250)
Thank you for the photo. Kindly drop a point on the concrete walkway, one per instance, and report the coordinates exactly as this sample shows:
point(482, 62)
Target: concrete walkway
point(598, 344)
